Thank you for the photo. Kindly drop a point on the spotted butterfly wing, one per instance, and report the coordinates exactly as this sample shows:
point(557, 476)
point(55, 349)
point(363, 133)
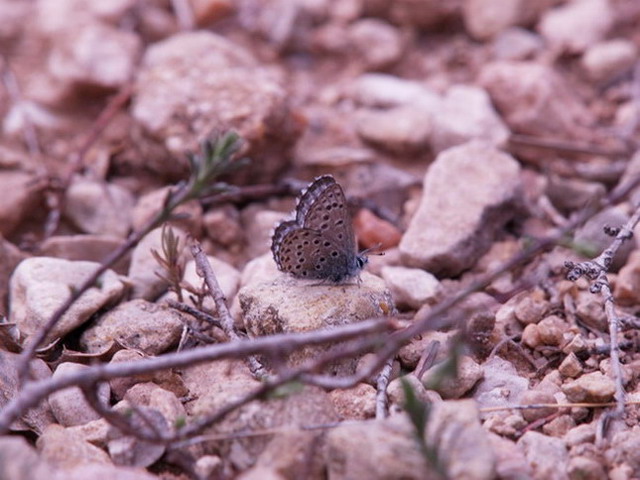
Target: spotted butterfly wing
point(319, 243)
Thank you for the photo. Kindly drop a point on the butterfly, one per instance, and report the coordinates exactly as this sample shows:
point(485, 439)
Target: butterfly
point(319, 243)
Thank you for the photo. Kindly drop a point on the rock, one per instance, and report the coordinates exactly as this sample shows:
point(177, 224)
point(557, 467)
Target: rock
point(470, 455)
point(151, 395)
point(569, 194)
point(592, 237)
point(532, 397)
point(532, 307)
point(376, 450)
point(559, 426)
point(533, 99)
point(166, 379)
point(501, 384)
point(227, 276)
point(589, 307)
point(136, 324)
point(258, 225)
point(94, 54)
point(216, 385)
point(99, 207)
point(585, 468)
point(585, 433)
point(485, 19)
point(53, 16)
point(547, 456)
point(374, 232)
point(374, 43)
point(145, 271)
point(151, 203)
point(20, 461)
point(467, 375)
point(132, 451)
point(591, 387)
point(624, 449)
point(570, 366)
point(516, 43)
point(411, 287)
point(93, 248)
point(384, 91)
point(35, 419)
point(627, 286)
point(64, 448)
point(396, 392)
point(39, 285)
point(198, 82)
point(468, 195)
point(21, 196)
point(510, 460)
point(356, 403)
point(69, 405)
point(607, 60)
point(10, 257)
point(288, 305)
point(575, 26)
point(551, 330)
point(467, 114)
point(531, 336)
point(403, 130)
point(411, 352)
point(222, 226)
point(13, 18)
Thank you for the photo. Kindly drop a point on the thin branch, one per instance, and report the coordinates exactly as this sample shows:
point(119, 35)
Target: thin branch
point(204, 270)
point(382, 382)
point(33, 392)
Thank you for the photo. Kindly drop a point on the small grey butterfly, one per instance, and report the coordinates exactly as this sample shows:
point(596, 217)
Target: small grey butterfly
point(319, 243)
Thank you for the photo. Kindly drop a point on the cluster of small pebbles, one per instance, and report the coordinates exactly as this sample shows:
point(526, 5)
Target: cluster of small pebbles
point(463, 131)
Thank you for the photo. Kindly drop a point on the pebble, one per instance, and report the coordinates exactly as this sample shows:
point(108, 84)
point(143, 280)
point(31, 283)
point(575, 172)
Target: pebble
point(410, 287)
point(576, 25)
point(39, 285)
point(452, 227)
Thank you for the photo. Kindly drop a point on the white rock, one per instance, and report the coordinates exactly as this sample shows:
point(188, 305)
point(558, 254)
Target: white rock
point(197, 82)
point(39, 285)
point(99, 207)
point(516, 43)
point(381, 90)
point(547, 455)
point(69, 405)
point(137, 324)
point(466, 114)
point(575, 26)
point(410, 287)
point(534, 99)
point(468, 194)
point(95, 54)
point(501, 384)
point(485, 19)
point(376, 43)
point(606, 60)
point(406, 129)
point(288, 305)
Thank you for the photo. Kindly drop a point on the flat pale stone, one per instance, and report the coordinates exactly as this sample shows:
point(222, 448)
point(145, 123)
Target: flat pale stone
point(410, 287)
point(289, 305)
point(469, 193)
point(466, 113)
point(39, 286)
point(136, 324)
point(69, 405)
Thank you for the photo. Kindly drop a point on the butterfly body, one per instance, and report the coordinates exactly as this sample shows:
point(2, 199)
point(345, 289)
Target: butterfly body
point(319, 243)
